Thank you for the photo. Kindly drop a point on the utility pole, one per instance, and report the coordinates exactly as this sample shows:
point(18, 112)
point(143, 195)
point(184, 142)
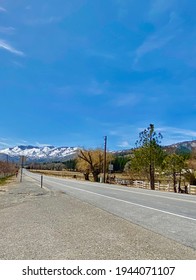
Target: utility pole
point(104, 159)
point(22, 160)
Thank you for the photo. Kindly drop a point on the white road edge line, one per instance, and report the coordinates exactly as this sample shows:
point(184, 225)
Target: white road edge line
point(148, 194)
point(132, 203)
point(131, 191)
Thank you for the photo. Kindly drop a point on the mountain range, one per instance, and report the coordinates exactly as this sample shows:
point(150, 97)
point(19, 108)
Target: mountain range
point(186, 147)
point(51, 153)
point(46, 153)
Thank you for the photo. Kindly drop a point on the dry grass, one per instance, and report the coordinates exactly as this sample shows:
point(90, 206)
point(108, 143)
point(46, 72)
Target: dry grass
point(64, 173)
point(6, 180)
point(76, 174)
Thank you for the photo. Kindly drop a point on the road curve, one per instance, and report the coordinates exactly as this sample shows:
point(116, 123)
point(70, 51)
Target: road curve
point(172, 215)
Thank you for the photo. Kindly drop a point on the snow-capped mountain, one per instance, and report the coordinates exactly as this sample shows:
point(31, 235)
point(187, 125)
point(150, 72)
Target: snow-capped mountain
point(46, 153)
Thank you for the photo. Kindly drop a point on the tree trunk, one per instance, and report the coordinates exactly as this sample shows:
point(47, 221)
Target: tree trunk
point(95, 175)
point(174, 181)
point(152, 180)
point(179, 184)
point(86, 176)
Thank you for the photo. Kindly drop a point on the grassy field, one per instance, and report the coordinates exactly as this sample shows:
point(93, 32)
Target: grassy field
point(80, 176)
point(76, 174)
point(64, 173)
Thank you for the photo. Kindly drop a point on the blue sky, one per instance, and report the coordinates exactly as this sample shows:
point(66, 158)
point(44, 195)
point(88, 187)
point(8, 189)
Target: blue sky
point(72, 72)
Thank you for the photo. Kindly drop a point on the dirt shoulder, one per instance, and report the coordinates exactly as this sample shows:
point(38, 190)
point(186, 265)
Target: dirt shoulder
point(40, 224)
point(14, 193)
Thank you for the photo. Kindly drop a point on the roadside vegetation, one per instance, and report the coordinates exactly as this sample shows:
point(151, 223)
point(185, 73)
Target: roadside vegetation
point(7, 170)
point(152, 162)
point(148, 161)
point(5, 180)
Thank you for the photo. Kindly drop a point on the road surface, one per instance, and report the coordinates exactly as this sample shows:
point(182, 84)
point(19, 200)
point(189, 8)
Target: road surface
point(172, 215)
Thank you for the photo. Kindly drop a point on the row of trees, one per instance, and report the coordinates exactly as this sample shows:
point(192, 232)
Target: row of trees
point(148, 160)
point(56, 166)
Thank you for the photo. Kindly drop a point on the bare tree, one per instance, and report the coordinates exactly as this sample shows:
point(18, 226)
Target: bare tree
point(91, 161)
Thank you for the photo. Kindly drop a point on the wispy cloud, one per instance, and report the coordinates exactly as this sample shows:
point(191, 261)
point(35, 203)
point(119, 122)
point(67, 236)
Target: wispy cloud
point(173, 135)
point(100, 54)
point(28, 7)
point(161, 6)
point(160, 38)
point(42, 144)
point(43, 21)
point(152, 43)
point(7, 30)
point(4, 144)
point(126, 100)
point(96, 88)
point(91, 88)
point(128, 134)
point(123, 7)
point(124, 145)
point(179, 131)
point(4, 45)
point(123, 133)
point(2, 10)
point(18, 64)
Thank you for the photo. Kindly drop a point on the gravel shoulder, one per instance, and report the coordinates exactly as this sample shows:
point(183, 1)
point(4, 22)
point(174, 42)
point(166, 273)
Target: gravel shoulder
point(40, 224)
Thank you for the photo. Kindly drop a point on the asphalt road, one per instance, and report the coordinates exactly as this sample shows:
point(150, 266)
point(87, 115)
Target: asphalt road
point(39, 223)
point(168, 214)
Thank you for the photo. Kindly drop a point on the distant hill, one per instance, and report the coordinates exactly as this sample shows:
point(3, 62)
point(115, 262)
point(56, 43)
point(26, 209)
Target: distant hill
point(190, 145)
point(186, 147)
point(34, 153)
